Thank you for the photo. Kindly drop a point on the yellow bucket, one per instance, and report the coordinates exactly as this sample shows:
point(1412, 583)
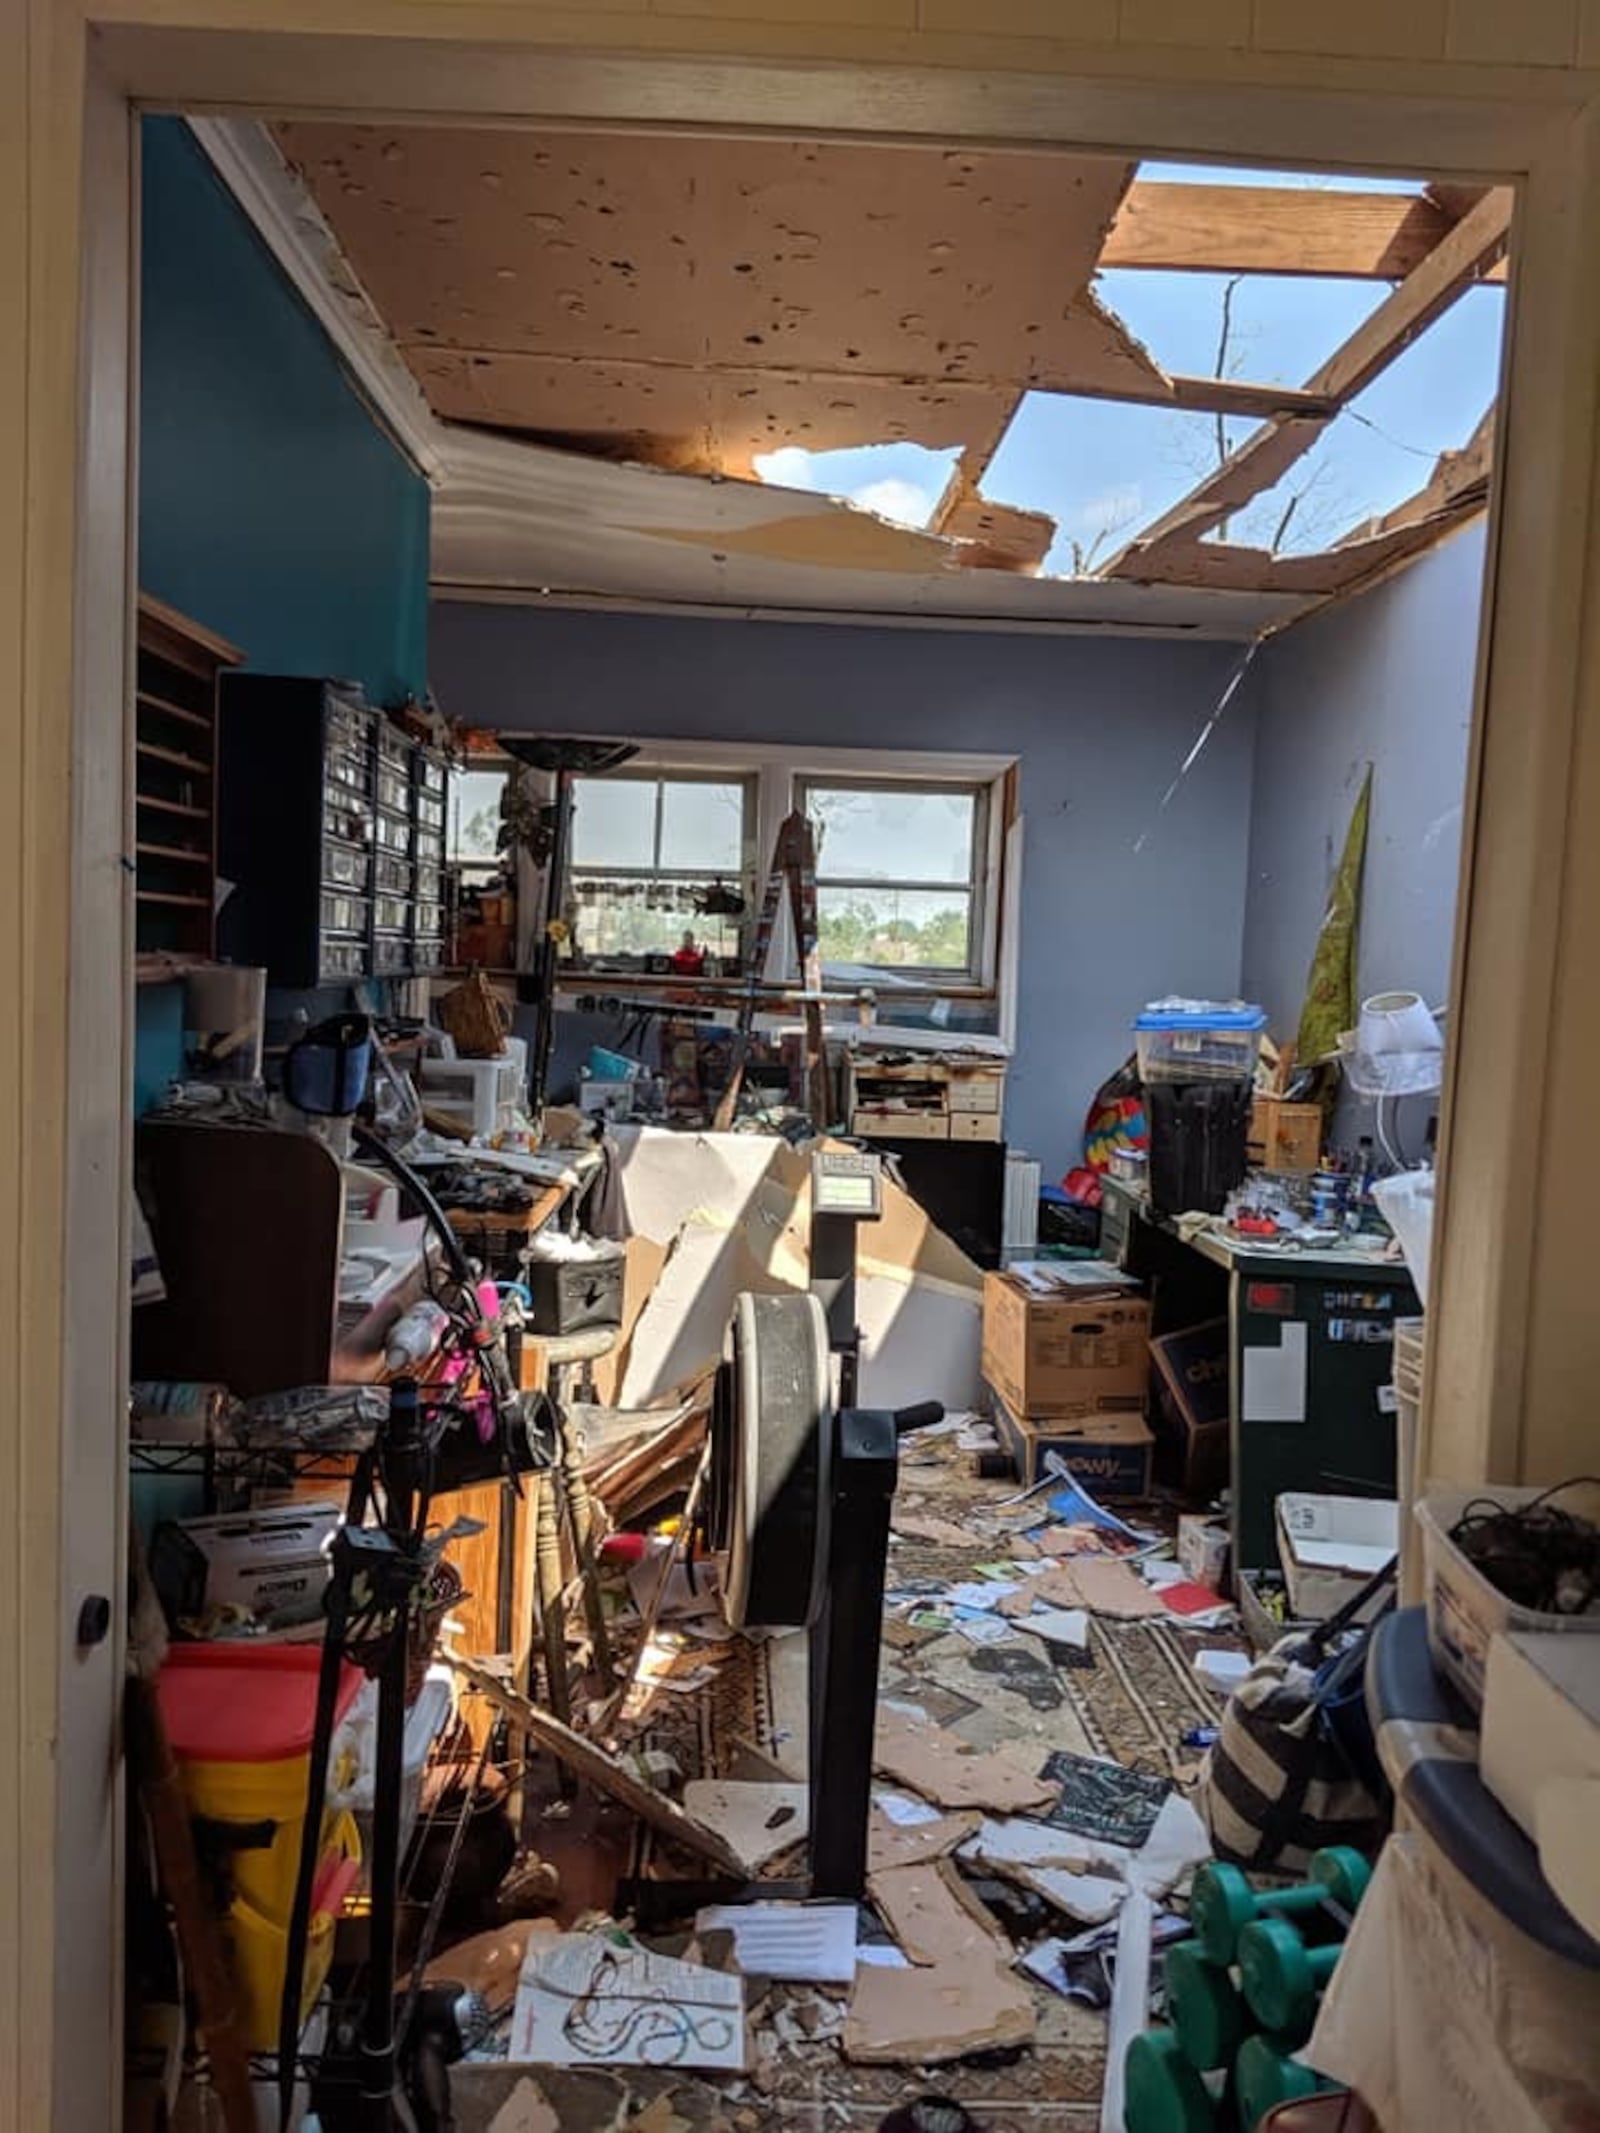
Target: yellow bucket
point(260, 1945)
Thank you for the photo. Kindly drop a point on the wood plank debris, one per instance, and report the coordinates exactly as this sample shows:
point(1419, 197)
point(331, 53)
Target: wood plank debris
point(959, 1994)
point(587, 1760)
point(759, 1822)
point(949, 1773)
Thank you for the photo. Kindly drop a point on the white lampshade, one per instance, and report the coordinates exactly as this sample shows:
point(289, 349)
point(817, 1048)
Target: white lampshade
point(1397, 1022)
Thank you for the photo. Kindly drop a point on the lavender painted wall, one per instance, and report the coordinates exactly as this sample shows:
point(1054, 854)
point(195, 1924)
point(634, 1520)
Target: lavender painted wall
point(1385, 679)
point(1100, 725)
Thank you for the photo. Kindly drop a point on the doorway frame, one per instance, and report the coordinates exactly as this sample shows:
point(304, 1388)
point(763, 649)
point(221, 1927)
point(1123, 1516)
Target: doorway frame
point(67, 484)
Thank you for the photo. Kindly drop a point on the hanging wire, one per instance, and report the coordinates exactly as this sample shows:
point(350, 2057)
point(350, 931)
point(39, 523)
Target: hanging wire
point(1229, 691)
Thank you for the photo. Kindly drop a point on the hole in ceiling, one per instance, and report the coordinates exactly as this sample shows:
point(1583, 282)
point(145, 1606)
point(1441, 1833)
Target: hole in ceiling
point(1383, 448)
point(900, 482)
point(1267, 329)
point(1100, 468)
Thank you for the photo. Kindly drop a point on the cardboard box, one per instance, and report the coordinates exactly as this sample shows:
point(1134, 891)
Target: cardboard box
point(1065, 1340)
point(1108, 1453)
point(1541, 1718)
point(1284, 1136)
point(1329, 1546)
point(1191, 1408)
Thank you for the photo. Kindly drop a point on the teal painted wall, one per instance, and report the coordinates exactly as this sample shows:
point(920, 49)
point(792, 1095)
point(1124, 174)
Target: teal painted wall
point(272, 507)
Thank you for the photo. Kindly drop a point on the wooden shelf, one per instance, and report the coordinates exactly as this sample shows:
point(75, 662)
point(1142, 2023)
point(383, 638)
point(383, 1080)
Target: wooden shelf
point(168, 709)
point(173, 807)
point(188, 855)
point(160, 896)
point(172, 757)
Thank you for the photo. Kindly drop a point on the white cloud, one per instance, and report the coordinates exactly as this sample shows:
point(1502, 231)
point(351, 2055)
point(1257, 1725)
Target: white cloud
point(901, 501)
point(787, 468)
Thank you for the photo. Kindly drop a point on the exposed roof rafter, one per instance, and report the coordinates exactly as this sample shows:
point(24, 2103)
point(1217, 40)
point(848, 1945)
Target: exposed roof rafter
point(1475, 243)
point(1168, 227)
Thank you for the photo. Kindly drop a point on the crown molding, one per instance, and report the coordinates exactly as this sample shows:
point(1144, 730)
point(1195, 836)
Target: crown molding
point(246, 158)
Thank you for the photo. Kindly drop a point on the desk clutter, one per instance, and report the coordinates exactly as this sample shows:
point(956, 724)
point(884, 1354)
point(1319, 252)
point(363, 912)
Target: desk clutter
point(720, 1586)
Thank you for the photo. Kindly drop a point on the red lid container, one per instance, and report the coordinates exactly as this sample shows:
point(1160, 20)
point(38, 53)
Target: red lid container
point(245, 1703)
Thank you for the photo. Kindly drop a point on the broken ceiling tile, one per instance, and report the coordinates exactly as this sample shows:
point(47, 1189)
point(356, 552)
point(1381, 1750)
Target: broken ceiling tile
point(941, 1770)
point(960, 1993)
point(759, 1821)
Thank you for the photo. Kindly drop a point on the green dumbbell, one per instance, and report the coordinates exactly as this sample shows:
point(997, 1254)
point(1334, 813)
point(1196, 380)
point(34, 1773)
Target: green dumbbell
point(1205, 2008)
point(1162, 2092)
point(1264, 2076)
point(1223, 1903)
point(1281, 1977)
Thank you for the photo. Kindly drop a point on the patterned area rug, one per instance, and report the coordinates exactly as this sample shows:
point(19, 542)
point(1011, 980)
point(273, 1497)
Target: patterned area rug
point(1131, 1696)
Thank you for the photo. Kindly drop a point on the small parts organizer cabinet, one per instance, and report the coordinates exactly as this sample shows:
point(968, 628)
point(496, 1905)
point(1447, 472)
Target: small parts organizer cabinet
point(332, 830)
point(925, 1096)
point(175, 787)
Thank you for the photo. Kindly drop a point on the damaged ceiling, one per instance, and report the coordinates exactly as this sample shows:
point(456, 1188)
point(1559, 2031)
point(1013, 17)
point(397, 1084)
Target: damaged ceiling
point(631, 320)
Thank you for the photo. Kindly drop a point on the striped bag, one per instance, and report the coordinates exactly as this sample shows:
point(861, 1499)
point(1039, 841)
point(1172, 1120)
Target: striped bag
point(1293, 1767)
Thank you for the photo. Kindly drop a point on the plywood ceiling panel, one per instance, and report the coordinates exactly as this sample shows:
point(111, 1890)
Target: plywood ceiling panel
point(694, 418)
point(828, 281)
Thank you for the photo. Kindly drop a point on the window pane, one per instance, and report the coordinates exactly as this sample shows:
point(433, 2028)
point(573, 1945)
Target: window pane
point(892, 836)
point(613, 822)
point(702, 825)
point(919, 929)
point(644, 917)
point(475, 813)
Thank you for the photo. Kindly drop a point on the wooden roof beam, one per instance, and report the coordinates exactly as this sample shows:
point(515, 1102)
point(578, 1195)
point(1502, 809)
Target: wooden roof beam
point(1268, 229)
point(1476, 242)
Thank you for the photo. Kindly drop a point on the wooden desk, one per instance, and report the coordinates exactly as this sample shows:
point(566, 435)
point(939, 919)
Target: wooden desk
point(1310, 1357)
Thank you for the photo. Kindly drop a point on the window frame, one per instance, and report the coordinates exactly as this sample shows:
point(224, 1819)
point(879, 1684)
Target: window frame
point(642, 771)
point(779, 770)
point(975, 886)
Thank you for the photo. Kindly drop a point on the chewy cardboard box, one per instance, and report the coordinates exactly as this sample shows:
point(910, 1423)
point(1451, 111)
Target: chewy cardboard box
point(1065, 1340)
point(1191, 1409)
point(1108, 1453)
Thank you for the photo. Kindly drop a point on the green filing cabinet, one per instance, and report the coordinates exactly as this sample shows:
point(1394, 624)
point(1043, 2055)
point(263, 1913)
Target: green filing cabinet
point(1310, 1354)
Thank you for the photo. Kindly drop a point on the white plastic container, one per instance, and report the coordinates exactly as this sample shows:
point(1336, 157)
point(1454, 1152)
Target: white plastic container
point(1464, 1609)
point(354, 1753)
point(482, 1093)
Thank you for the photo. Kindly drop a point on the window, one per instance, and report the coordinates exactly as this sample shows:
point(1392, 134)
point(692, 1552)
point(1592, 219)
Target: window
point(900, 872)
point(473, 825)
point(649, 852)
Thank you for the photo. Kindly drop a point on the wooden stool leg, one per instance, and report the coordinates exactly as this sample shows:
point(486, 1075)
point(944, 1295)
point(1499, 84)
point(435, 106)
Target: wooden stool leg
point(547, 1593)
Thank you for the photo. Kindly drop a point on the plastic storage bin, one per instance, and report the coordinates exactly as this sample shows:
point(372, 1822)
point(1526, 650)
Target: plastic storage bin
point(1464, 1609)
point(480, 1093)
point(1198, 1042)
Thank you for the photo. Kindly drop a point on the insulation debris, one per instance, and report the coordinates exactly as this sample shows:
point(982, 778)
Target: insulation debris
point(949, 1773)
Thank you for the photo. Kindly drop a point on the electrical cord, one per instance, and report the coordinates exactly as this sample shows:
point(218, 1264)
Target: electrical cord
point(1538, 1556)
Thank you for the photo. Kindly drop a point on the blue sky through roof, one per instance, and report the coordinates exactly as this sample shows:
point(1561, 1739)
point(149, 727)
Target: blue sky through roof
point(1102, 469)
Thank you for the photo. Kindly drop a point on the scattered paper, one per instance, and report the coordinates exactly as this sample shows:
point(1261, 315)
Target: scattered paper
point(803, 1943)
point(979, 1592)
point(903, 1811)
point(881, 1955)
point(1177, 1845)
point(1057, 1625)
point(1089, 1898)
point(758, 1820)
point(985, 1628)
point(599, 1999)
point(1073, 1504)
